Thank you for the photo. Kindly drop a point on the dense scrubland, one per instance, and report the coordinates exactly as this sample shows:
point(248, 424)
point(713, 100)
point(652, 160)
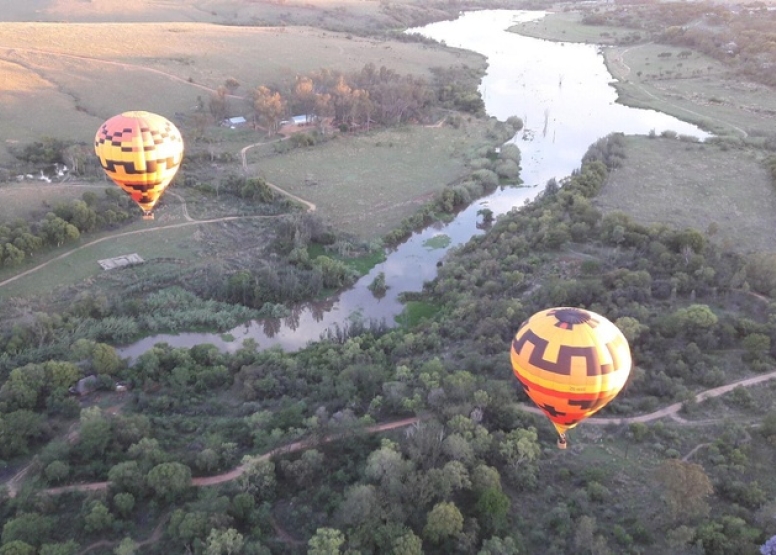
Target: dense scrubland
point(475, 473)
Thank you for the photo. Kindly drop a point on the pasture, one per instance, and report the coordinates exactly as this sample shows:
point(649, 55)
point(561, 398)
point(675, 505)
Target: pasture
point(30, 200)
point(568, 27)
point(63, 80)
point(81, 263)
point(322, 13)
point(693, 87)
point(695, 185)
point(367, 184)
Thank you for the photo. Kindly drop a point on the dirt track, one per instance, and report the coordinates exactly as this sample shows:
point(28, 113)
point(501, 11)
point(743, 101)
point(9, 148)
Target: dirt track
point(189, 222)
point(670, 410)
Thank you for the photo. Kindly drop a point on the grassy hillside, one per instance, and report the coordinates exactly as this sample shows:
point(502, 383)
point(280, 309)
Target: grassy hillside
point(702, 186)
point(73, 77)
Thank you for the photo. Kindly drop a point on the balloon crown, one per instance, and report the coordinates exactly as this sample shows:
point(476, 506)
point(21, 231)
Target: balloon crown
point(568, 317)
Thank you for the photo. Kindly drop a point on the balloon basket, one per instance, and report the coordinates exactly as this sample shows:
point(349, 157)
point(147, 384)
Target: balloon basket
point(148, 216)
point(562, 443)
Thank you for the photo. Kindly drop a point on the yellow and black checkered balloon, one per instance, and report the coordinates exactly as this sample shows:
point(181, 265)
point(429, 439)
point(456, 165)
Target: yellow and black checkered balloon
point(571, 363)
point(140, 152)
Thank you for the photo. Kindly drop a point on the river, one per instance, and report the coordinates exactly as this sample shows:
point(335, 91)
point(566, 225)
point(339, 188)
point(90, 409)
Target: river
point(562, 92)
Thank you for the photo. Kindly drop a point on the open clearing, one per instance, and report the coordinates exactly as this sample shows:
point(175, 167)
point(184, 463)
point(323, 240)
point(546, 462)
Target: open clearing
point(179, 243)
point(568, 26)
point(695, 185)
point(327, 13)
point(367, 184)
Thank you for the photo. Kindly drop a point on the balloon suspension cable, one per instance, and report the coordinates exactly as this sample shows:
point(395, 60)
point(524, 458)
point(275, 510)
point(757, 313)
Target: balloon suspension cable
point(562, 441)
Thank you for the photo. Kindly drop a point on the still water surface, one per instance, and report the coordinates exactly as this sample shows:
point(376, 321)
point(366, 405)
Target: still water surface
point(563, 94)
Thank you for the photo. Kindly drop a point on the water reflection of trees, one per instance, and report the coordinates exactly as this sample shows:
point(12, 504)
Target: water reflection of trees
point(319, 309)
point(271, 326)
point(292, 320)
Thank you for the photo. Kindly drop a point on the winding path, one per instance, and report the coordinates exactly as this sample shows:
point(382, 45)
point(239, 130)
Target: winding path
point(243, 158)
point(189, 222)
point(670, 411)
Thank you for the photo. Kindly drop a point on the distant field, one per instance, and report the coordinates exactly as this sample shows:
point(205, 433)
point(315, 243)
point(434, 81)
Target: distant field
point(295, 12)
point(694, 88)
point(695, 185)
point(568, 27)
point(63, 80)
point(23, 200)
point(367, 184)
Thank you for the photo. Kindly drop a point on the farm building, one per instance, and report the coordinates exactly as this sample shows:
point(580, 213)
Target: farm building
point(296, 120)
point(85, 386)
point(235, 122)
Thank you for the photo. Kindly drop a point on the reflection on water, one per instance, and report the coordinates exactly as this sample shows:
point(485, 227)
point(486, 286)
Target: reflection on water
point(562, 93)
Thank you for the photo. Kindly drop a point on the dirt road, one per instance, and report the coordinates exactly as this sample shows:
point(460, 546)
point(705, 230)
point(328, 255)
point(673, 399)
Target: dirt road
point(670, 410)
point(236, 472)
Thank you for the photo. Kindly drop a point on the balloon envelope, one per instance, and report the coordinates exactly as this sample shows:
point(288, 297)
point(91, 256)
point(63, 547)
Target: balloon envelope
point(141, 153)
point(571, 362)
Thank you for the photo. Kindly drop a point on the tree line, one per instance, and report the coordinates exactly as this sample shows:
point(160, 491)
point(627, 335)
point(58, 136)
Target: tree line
point(371, 96)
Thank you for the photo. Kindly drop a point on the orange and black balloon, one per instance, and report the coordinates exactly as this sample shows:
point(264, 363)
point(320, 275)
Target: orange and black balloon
point(141, 152)
point(571, 362)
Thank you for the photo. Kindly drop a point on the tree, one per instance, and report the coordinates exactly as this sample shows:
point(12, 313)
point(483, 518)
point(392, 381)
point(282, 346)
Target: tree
point(17, 547)
point(444, 521)
point(24, 388)
point(326, 541)
point(127, 477)
point(95, 434)
point(584, 533)
point(219, 104)
point(17, 430)
point(520, 448)
point(28, 528)
point(126, 547)
point(57, 231)
point(269, 107)
point(105, 359)
point(493, 507)
point(224, 542)
point(187, 528)
point(499, 546)
point(686, 488)
point(169, 480)
point(258, 478)
point(232, 84)
point(56, 471)
point(98, 518)
point(124, 503)
point(407, 544)
point(361, 506)
point(67, 548)
point(304, 95)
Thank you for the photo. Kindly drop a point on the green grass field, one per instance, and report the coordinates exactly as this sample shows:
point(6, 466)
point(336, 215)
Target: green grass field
point(83, 264)
point(568, 27)
point(695, 88)
point(366, 184)
point(695, 185)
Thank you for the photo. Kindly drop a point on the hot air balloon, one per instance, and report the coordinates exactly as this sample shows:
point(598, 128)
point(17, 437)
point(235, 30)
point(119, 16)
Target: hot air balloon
point(141, 153)
point(571, 362)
